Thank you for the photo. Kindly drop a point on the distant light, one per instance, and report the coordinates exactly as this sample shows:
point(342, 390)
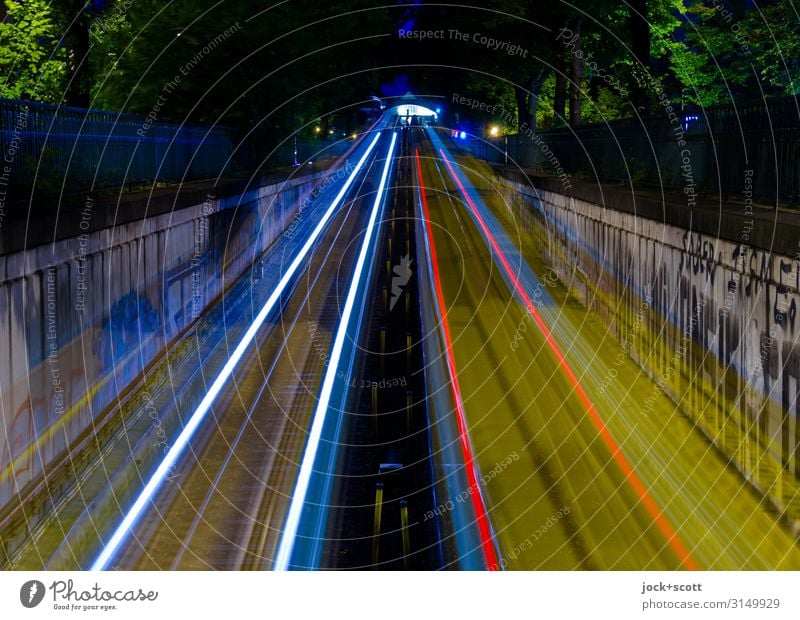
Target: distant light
point(317, 129)
point(330, 131)
point(463, 135)
point(354, 136)
point(438, 110)
point(310, 162)
point(494, 131)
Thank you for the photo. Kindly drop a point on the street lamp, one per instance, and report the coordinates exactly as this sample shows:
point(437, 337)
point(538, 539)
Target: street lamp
point(494, 131)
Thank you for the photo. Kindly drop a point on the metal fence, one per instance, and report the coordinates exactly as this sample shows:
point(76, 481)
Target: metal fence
point(298, 152)
point(48, 149)
point(709, 151)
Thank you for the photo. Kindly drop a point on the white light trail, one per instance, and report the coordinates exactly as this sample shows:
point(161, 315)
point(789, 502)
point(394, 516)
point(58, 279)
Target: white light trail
point(182, 440)
point(303, 478)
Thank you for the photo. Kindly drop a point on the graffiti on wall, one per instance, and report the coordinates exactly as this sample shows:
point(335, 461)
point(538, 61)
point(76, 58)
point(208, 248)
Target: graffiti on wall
point(736, 303)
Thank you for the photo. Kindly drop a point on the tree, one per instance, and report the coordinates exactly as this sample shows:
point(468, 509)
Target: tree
point(639, 27)
point(560, 89)
point(576, 78)
point(273, 70)
point(737, 52)
point(75, 18)
point(774, 32)
point(639, 30)
point(29, 44)
point(536, 27)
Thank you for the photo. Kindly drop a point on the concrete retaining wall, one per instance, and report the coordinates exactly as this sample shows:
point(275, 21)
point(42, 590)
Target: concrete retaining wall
point(82, 317)
point(713, 321)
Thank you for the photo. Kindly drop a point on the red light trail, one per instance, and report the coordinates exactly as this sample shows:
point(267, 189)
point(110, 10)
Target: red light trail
point(616, 452)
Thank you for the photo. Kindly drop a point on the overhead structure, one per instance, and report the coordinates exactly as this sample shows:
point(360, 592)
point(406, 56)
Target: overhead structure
point(414, 110)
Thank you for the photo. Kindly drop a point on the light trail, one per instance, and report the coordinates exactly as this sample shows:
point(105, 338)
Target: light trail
point(616, 451)
point(289, 534)
point(478, 504)
point(180, 443)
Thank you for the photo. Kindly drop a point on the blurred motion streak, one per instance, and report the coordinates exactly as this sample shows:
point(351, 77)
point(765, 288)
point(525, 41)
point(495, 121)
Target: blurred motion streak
point(627, 469)
point(484, 526)
point(197, 416)
point(306, 468)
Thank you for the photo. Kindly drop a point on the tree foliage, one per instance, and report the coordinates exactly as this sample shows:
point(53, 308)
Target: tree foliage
point(734, 51)
point(30, 60)
point(283, 65)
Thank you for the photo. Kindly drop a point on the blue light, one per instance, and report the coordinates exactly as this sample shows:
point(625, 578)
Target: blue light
point(689, 118)
point(227, 370)
point(463, 135)
point(306, 467)
point(438, 110)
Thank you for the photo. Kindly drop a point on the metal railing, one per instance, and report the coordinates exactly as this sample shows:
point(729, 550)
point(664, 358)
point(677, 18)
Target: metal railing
point(58, 150)
point(303, 150)
point(709, 151)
